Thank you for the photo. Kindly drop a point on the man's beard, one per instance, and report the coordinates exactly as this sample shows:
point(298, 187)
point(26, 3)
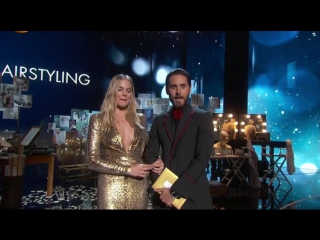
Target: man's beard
point(178, 105)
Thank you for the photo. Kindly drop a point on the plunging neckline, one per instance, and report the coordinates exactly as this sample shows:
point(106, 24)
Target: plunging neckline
point(122, 142)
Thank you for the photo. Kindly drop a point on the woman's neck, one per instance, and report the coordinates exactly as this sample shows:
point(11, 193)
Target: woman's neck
point(120, 112)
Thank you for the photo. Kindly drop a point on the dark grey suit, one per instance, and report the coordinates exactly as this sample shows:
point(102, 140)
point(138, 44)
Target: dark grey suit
point(186, 150)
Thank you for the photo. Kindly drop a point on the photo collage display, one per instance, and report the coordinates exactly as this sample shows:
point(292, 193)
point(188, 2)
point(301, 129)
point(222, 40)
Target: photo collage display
point(12, 97)
point(77, 123)
point(151, 107)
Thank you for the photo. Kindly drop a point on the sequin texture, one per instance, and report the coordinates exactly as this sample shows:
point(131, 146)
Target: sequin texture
point(106, 155)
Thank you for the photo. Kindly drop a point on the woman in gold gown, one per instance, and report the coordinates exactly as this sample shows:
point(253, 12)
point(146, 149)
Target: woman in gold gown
point(115, 149)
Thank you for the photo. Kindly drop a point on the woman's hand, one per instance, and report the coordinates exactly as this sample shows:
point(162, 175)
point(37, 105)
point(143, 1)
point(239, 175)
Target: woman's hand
point(158, 166)
point(140, 170)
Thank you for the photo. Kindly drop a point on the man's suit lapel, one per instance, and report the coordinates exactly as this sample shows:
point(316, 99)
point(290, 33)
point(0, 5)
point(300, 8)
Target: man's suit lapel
point(169, 126)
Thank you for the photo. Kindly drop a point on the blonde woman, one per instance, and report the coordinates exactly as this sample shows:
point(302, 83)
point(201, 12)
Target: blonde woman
point(116, 143)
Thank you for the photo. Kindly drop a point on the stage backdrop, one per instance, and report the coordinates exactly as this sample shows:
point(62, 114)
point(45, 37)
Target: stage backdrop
point(64, 69)
point(71, 70)
point(284, 84)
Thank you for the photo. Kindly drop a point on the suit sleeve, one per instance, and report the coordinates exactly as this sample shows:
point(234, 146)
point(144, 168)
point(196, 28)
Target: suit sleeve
point(188, 179)
point(153, 146)
point(94, 160)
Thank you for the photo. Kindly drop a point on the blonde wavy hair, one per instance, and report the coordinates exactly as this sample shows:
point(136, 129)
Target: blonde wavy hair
point(250, 132)
point(109, 103)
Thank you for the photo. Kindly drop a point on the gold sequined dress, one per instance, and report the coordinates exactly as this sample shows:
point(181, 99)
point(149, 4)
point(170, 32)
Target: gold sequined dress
point(106, 155)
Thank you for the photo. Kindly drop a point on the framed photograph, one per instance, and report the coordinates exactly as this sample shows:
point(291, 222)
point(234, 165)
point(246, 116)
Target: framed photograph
point(51, 126)
point(10, 113)
point(10, 89)
point(214, 102)
point(56, 120)
point(2, 103)
point(21, 100)
point(8, 101)
point(64, 122)
point(80, 115)
point(75, 114)
point(30, 136)
point(22, 82)
point(197, 100)
point(59, 136)
point(72, 125)
point(143, 99)
point(156, 104)
point(82, 128)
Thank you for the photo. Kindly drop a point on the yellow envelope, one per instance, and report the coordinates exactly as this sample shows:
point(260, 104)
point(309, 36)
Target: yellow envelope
point(165, 180)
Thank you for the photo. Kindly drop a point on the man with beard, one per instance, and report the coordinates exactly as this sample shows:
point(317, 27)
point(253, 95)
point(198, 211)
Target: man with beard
point(185, 136)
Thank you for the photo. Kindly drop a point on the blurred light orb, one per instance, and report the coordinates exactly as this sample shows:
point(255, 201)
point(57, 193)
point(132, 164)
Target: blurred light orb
point(117, 56)
point(161, 74)
point(273, 38)
point(308, 168)
point(164, 93)
point(140, 66)
point(21, 31)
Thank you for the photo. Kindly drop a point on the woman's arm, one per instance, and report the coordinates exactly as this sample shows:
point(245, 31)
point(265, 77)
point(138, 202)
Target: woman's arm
point(94, 160)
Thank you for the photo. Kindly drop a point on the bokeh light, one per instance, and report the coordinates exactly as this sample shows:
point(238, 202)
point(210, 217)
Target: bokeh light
point(161, 74)
point(273, 38)
point(140, 66)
